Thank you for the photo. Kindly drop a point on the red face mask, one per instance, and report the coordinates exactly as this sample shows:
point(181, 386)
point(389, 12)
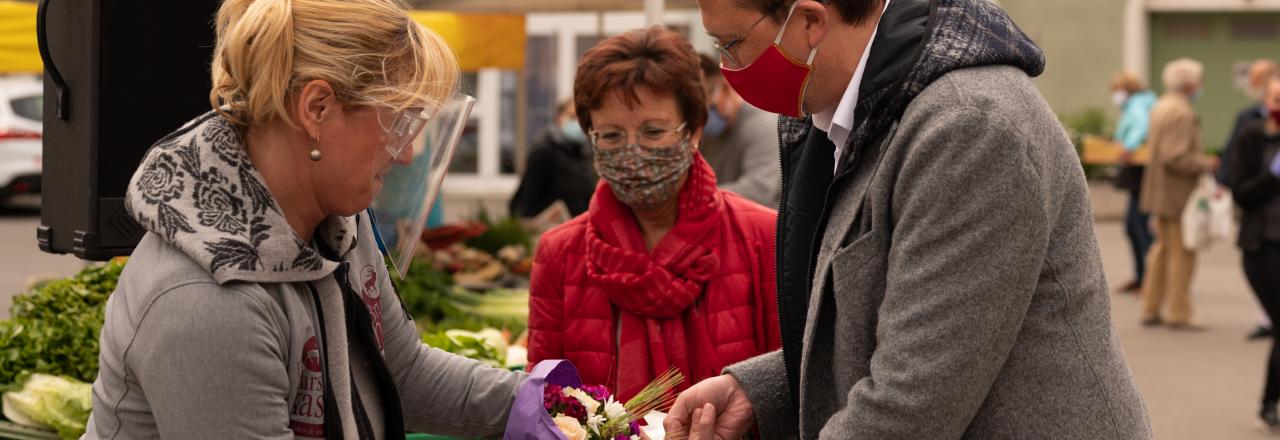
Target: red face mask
point(774, 82)
point(1275, 116)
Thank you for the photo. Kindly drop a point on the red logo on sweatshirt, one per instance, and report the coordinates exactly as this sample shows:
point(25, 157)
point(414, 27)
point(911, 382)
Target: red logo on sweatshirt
point(373, 299)
point(306, 419)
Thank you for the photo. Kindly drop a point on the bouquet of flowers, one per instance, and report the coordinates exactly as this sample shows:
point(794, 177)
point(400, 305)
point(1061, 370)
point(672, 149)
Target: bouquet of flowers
point(567, 410)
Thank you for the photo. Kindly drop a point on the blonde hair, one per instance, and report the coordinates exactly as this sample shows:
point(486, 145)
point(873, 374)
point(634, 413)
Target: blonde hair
point(1182, 73)
point(1127, 81)
point(369, 51)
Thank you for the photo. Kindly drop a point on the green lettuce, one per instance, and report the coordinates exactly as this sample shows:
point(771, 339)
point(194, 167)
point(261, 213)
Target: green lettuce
point(52, 402)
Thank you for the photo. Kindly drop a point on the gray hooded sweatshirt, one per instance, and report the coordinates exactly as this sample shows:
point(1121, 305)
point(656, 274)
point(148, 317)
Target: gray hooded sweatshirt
point(226, 325)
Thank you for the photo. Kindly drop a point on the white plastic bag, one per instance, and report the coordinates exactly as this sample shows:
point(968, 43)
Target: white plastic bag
point(1208, 216)
point(1222, 211)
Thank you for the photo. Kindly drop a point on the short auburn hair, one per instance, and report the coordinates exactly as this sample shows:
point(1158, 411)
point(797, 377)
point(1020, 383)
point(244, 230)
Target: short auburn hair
point(654, 58)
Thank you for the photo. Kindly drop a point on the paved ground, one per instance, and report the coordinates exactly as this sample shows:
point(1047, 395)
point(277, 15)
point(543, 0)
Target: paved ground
point(1197, 386)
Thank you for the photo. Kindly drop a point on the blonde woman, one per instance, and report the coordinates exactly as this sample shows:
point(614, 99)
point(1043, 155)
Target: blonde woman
point(258, 305)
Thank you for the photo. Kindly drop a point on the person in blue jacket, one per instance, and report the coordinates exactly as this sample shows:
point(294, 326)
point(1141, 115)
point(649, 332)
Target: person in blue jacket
point(1135, 102)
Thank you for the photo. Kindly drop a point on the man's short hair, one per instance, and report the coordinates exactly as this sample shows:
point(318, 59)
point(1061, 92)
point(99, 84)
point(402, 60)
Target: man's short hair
point(851, 11)
point(1261, 70)
point(1181, 73)
point(1273, 78)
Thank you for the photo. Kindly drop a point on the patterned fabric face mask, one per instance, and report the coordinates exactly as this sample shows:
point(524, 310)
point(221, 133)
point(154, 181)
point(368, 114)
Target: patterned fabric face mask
point(643, 177)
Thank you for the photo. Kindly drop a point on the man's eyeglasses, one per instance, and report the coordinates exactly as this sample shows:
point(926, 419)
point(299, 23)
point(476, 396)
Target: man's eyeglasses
point(726, 49)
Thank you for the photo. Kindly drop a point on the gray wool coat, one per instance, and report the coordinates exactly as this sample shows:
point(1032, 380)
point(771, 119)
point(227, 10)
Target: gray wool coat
point(958, 290)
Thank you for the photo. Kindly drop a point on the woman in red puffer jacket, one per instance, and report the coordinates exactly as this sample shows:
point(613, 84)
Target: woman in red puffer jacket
point(664, 270)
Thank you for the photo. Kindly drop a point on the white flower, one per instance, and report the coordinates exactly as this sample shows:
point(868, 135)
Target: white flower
point(591, 404)
point(571, 428)
point(614, 410)
point(594, 421)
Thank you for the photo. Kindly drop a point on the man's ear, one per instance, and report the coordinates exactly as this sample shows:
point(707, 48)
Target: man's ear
point(817, 19)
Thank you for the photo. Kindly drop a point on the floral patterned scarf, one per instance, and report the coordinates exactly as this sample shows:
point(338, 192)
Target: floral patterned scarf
point(198, 190)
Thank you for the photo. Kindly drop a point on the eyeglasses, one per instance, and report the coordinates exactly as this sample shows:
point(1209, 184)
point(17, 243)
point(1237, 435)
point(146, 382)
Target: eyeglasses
point(403, 128)
point(649, 136)
point(726, 49)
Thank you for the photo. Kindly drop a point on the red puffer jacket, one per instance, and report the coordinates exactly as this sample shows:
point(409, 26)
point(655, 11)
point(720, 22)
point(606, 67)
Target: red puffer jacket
point(703, 299)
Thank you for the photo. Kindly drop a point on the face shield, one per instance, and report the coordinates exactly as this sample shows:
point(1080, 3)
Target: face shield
point(421, 143)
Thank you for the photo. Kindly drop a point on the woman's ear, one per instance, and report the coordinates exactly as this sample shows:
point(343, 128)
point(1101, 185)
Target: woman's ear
point(695, 138)
point(314, 103)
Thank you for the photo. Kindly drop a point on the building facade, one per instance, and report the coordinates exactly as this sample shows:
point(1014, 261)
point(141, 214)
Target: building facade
point(1086, 41)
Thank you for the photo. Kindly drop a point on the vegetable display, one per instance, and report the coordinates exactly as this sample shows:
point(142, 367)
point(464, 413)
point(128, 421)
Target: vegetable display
point(54, 329)
point(488, 345)
point(52, 402)
point(436, 304)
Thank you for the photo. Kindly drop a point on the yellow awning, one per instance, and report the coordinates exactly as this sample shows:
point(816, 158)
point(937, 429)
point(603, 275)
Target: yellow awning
point(480, 40)
point(18, 50)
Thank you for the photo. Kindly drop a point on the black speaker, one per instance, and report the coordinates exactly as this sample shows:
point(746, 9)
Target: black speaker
point(119, 75)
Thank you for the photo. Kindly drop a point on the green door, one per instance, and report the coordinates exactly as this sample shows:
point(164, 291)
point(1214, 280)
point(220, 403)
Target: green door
point(1224, 43)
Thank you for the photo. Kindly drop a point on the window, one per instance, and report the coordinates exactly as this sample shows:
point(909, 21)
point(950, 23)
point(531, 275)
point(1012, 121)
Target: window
point(681, 28)
point(30, 107)
point(488, 146)
point(1255, 28)
point(540, 68)
point(466, 156)
point(507, 129)
point(586, 42)
point(1188, 28)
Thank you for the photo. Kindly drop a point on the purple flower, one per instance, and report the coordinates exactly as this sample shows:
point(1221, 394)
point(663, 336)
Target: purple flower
point(573, 408)
point(635, 428)
point(550, 397)
point(597, 392)
point(554, 400)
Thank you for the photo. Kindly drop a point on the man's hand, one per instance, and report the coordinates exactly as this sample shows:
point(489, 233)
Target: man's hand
point(715, 408)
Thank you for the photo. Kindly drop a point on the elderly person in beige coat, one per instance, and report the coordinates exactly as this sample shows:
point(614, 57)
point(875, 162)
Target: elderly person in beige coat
point(1177, 162)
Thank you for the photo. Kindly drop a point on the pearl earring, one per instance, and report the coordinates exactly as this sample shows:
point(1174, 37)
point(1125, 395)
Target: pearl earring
point(315, 152)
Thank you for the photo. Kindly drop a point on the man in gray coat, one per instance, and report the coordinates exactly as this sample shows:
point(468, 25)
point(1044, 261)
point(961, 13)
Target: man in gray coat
point(938, 273)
